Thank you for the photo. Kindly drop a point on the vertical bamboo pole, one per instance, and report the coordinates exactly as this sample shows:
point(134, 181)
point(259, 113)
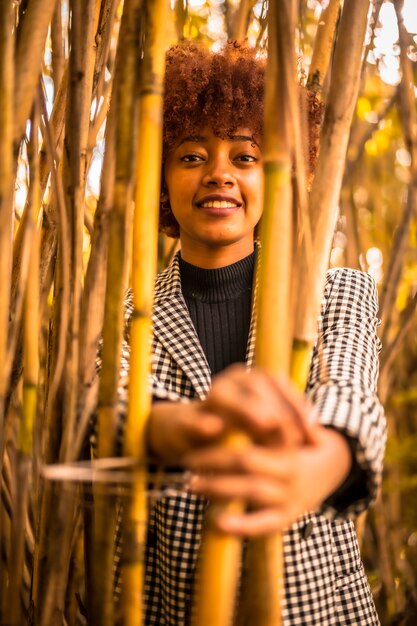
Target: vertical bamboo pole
point(58, 60)
point(6, 212)
point(29, 54)
point(328, 177)
point(144, 264)
point(76, 139)
point(123, 102)
point(220, 562)
point(323, 46)
point(6, 186)
point(264, 568)
point(241, 19)
point(14, 615)
point(58, 506)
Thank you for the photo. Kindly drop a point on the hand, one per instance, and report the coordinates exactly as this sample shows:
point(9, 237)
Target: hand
point(279, 483)
point(268, 408)
point(175, 428)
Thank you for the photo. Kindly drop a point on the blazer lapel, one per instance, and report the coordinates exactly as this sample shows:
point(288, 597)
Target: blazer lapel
point(173, 327)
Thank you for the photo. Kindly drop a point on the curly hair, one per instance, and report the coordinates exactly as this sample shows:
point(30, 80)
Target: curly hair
point(222, 90)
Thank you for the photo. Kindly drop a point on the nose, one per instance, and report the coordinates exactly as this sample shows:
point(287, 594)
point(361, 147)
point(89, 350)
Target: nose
point(219, 174)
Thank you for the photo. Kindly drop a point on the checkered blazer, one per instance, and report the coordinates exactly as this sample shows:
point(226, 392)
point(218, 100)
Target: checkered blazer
point(325, 583)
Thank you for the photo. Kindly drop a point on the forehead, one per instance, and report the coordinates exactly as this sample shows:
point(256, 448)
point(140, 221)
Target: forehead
point(208, 135)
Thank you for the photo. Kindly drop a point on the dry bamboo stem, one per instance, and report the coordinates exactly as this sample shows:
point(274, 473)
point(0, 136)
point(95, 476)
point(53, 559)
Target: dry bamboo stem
point(241, 19)
point(144, 265)
point(58, 60)
point(29, 54)
point(6, 218)
point(124, 101)
point(76, 140)
point(30, 386)
point(323, 45)
point(46, 599)
point(103, 37)
point(6, 188)
point(324, 196)
point(92, 308)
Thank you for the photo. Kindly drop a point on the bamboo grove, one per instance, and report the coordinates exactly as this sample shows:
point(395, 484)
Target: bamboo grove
point(81, 88)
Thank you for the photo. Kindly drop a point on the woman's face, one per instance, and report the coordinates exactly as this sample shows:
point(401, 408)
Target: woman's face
point(215, 189)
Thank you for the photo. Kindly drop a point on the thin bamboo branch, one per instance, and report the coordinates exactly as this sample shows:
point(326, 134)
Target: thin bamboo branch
point(64, 246)
point(144, 265)
point(58, 59)
point(323, 46)
point(103, 37)
point(180, 18)
point(33, 30)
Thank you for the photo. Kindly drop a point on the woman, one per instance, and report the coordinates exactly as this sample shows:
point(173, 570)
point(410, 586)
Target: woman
point(308, 471)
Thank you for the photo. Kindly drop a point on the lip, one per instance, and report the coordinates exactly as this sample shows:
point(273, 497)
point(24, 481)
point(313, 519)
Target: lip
point(219, 211)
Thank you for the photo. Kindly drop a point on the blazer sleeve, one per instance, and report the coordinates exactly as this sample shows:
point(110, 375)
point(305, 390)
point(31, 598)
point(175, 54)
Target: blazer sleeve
point(343, 384)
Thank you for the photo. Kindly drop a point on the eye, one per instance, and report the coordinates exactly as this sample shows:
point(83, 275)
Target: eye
point(191, 158)
point(247, 158)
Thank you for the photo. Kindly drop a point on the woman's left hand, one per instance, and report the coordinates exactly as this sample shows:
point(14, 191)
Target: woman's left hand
point(278, 483)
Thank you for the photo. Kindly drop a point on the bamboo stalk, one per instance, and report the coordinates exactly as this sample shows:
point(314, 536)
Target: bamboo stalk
point(241, 18)
point(30, 47)
point(324, 197)
point(144, 265)
point(81, 81)
point(6, 184)
point(323, 46)
point(408, 116)
point(124, 101)
point(92, 308)
point(30, 385)
point(58, 60)
point(220, 560)
point(103, 38)
point(262, 586)
point(6, 212)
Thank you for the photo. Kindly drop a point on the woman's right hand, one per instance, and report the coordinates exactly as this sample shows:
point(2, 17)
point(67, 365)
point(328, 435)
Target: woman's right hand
point(176, 428)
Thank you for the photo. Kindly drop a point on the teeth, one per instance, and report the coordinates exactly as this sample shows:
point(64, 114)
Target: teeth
point(219, 204)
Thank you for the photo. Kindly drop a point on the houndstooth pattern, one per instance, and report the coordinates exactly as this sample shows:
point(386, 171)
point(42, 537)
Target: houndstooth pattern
point(325, 583)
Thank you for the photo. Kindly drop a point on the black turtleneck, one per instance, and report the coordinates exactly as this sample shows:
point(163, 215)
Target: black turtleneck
point(219, 302)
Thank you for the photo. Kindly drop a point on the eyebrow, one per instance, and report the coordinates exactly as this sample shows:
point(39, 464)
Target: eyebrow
point(202, 139)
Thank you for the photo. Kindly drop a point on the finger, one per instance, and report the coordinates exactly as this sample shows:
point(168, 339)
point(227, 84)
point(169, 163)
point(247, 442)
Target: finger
point(258, 461)
point(302, 407)
point(202, 427)
point(247, 403)
point(253, 490)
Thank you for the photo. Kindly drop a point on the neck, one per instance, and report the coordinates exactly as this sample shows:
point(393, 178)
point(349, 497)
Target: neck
point(213, 257)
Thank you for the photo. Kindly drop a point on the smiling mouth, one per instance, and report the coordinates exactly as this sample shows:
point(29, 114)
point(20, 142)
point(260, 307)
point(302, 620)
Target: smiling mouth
point(218, 204)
